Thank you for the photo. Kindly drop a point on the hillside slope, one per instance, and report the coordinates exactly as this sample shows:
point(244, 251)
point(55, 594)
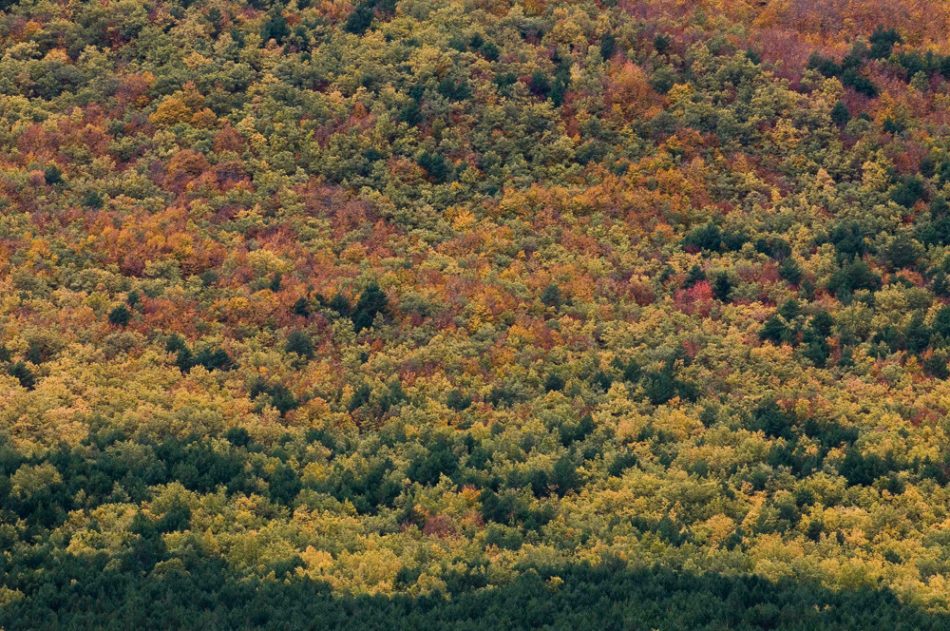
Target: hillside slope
point(475, 314)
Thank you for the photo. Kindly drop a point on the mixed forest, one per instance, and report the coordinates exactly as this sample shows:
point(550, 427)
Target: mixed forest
point(465, 314)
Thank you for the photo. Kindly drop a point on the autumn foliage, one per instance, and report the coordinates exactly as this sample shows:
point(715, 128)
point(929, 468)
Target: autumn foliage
point(475, 314)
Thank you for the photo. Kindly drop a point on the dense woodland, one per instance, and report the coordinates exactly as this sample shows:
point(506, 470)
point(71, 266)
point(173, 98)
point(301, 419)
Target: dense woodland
point(475, 314)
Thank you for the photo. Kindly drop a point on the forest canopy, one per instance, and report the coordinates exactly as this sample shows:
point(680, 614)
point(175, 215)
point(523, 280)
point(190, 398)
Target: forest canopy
point(475, 314)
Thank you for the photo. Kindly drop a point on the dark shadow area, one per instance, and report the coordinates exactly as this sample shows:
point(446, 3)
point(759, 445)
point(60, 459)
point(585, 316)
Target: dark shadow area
point(148, 587)
point(67, 592)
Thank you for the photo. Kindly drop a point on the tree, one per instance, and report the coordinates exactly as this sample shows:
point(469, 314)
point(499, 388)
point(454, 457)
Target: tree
point(120, 316)
point(359, 20)
point(696, 275)
point(608, 45)
point(859, 83)
point(553, 382)
point(278, 395)
point(790, 271)
point(941, 323)
point(458, 401)
point(301, 307)
point(539, 84)
point(853, 276)
point(282, 398)
point(52, 175)
point(183, 356)
point(359, 398)
point(707, 237)
point(275, 28)
point(840, 114)
point(917, 334)
point(300, 343)
point(564, 476)
point(661, 386)
point(213, 358)
point(882, 42)
point(551, 296)
point(773, 420)
point(341, 305)
point(901, 253)
point(372, 302)
point(935, 365)
point(774, 330)
point(284, 484)
point(22, 373)
point(848, 238)
point(722, 287)
point(435, 165)
point(908, 191)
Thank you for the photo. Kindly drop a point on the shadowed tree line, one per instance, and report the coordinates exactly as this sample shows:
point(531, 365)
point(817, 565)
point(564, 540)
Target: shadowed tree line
point(201, 592)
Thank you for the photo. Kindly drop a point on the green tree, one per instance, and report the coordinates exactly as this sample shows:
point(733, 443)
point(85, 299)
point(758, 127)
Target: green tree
point(372, 302)
point(300, 343)
point(22, 373)
point(120, 316)
point(722, 287)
